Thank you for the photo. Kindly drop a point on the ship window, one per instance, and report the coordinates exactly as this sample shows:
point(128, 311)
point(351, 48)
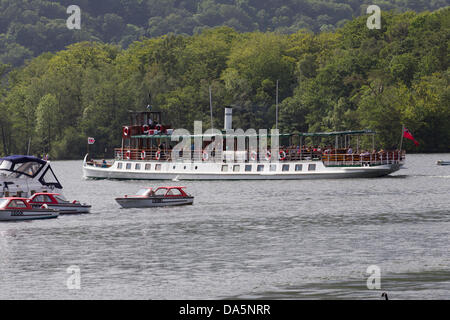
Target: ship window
point(28, 168)
point(46, 198)
point(143, 192)
point(160, 192)
point(236, 168)
point(5, 165)
point(119, 165)
point(285, 167)
point(39, 199)
point(224, 168)
point(158, 167)
point(311, 167)
point(61, 199)
point(298, 167)
point(128, 166)
point(49, 177)
point(174, 192)
point(248, 168)
point(3, 202)
point(196, 167)
point(137, 166)
point(17, 204)
point(148, 166)
point(174, 167)
point(260, 167)
point(273, 167)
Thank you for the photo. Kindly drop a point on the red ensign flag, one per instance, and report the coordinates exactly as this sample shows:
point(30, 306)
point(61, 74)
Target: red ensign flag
point(408, 135)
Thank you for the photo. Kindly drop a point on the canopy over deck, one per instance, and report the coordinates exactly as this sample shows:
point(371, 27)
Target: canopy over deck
point(23, 159)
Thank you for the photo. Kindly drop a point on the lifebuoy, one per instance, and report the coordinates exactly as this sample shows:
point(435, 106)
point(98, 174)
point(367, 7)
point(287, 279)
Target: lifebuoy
point(126, 131)
point(282, 155)
point(145, 128)
point(205, 156)
point(268, 156)
point(253, 155)
point(158, 155)
point(143, 154)
point(128, 155)
point(158, 127)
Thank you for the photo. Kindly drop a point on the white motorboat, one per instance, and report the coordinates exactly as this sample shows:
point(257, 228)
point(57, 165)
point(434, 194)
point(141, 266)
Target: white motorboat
point(58, 202)
point(160, 197)
point(22, 176)
point(18, 209)
point(443, 163)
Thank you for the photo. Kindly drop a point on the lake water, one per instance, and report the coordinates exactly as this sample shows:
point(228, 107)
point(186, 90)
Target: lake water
point(241, 240)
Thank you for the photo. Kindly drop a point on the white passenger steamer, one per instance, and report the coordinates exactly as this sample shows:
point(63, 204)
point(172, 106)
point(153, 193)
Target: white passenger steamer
point(146, 153)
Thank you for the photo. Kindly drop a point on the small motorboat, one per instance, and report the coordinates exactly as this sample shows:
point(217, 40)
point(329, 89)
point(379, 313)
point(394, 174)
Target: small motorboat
point(160, 197)
point(443, 163)
point(58, 202)
point(18, 209)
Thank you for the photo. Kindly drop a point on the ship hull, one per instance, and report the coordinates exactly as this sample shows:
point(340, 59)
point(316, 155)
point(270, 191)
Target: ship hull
point(235, 171)
point(154, 202)
point(68, 208)
point(18, 215)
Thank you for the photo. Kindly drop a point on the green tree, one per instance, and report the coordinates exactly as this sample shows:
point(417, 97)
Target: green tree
point(46, 120)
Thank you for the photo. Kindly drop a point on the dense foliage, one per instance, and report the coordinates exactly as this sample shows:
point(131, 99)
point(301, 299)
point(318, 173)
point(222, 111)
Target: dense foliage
point(31, 27)
point(351, 78)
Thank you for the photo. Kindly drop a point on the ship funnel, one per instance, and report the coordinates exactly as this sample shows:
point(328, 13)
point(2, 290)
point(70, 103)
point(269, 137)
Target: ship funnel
point(228, 122)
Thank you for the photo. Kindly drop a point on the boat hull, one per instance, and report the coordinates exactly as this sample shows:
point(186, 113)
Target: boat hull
point(214, 171)
point(19, 215)
point(153, 202)
point(68, 208)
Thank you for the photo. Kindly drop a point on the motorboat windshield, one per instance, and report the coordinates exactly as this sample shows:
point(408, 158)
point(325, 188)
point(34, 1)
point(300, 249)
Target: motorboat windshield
point(143, 192)
point(160, 192)
point(61, 199)
point(3, 202)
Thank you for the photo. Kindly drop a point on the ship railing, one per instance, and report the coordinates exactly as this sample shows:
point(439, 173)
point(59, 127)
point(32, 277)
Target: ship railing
point(364, 159)
point(338, 158)
point(142, 154)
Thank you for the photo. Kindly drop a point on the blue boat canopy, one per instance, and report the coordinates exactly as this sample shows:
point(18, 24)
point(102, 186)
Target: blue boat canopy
point(23, 159)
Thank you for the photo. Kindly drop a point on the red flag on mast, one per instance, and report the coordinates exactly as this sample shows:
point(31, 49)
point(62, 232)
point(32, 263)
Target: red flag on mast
point(408, 135)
